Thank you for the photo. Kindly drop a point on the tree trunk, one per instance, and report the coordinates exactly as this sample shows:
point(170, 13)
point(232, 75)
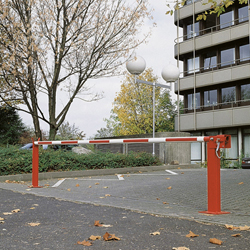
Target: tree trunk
point(52, 133)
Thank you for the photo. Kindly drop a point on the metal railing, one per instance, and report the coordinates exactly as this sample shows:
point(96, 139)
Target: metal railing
point(213, 67)
point(216, 106)
point(212, 29)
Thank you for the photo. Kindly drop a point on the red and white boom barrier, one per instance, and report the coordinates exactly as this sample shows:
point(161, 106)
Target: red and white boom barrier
point(214, 143)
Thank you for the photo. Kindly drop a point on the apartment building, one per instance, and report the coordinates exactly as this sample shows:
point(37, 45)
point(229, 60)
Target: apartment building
point(215, 83)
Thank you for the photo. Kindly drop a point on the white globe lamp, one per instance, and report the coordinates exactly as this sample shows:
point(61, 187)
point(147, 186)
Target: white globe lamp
point(170, 73)
point(135, 65)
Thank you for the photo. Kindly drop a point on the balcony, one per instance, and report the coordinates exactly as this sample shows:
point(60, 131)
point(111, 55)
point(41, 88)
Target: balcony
point(185, 11)
point(211, 37)
point(215, 76)
point(217, 117)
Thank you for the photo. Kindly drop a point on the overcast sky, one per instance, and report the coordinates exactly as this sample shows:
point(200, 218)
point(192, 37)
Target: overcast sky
point(158, 52)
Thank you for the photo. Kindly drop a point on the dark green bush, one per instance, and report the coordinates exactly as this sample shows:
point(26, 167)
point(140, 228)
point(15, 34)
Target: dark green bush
point(15, 161)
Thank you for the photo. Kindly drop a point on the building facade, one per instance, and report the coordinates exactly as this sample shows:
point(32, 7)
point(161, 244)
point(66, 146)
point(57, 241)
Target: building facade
point(215, 83)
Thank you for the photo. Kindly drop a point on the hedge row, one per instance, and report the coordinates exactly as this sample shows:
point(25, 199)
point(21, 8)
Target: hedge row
point(15, 161)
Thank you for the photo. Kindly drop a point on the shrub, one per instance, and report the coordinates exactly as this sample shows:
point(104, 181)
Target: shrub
point(15, 161)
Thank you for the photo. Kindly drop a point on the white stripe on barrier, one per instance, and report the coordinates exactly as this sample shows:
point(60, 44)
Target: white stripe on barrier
point(129, 140)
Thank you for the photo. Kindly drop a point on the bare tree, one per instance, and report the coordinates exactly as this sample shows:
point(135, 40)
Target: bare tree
point(48, 45)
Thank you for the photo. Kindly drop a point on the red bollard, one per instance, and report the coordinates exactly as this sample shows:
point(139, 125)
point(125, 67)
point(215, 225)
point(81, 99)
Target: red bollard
point(35, 165)
point(213, 172)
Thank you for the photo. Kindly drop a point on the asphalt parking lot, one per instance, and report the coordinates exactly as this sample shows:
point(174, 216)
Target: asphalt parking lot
point(146, 210)
point(178, 193)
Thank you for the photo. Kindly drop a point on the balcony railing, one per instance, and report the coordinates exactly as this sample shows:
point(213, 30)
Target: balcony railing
point(212, 29)
point(214, 67)
point(216, 106)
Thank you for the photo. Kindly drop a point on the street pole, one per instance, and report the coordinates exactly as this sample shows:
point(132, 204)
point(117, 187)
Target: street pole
point(153, 117)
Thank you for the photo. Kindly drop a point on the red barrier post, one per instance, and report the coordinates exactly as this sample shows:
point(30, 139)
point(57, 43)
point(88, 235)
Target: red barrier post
point(35, 165)
point(213, 172)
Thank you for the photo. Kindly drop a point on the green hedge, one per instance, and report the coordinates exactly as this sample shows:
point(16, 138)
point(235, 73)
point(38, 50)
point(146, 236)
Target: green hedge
point(15, 161)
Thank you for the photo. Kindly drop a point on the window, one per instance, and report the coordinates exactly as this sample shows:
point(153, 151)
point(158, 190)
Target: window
point(243, 14)
point(245, 92)
point(193, 65)
point(244, 53)
point(191, 101)
point(246, 142)
point(231, 153)
point(193, 30)
point(210, 98)
point(210, 61)
point(210, 23)
point(190, 1)
point(227, 57)
point(226, 19)
point(228, 95)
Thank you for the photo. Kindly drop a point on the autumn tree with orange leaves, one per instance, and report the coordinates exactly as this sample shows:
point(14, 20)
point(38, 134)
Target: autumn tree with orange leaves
point(49, 46)
point(133, 107)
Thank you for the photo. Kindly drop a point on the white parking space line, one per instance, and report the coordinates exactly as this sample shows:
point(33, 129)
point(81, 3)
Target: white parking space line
point(58, 183)
point(171, 172)
point(119, 176)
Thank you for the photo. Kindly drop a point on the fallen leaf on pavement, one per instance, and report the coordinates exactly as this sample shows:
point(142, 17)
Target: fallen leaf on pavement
point(34, 224)
point(235, 235)
point(77, 185)
point(107, 195)
point(230, 227)
point(167, 178)
point(1, 218)
point(32, 208)
point(244, 228)
point(164, 202)
point(93, 237)
point(180, 248)
point(108, 237)
point(155, 233)
point(241, 183)
point(215, 241)
point(84, 243)
point(169, 187)
point(97, 223)
point(97, 183)
point(90, 186)
point(191, 235)
point(7, 213)
point(105, 187)
point(68, 189)
point(15, 210)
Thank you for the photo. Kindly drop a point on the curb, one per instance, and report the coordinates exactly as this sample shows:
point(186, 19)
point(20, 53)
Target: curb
point(94, 172)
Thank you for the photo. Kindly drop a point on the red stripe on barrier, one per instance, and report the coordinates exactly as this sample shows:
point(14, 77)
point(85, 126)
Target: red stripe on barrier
point(44, 142)
point(135, 140)
point(69, 142)
point(99, 141)
point(181, 139)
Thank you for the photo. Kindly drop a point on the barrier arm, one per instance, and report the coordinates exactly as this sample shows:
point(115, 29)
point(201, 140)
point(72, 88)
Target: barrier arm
point(35, 164)
point(214, 145)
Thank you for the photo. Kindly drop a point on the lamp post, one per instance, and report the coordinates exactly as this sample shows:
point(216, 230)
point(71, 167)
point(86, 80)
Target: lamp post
point(136, 65)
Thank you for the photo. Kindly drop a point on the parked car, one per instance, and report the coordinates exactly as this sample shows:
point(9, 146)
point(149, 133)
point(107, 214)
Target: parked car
point(55, 147)
point(30, 145)
point(245, 163)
